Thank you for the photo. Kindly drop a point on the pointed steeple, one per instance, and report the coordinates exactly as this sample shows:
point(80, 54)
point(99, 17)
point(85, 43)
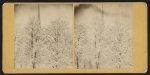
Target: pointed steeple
point(102, 15)
point(36, 37)
point(39, 14)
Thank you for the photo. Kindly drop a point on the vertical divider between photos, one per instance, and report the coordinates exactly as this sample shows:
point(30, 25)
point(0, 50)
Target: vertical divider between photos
point(73, 37)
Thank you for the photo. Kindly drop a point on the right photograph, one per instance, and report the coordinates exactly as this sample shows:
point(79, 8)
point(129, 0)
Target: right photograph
point(103, 36)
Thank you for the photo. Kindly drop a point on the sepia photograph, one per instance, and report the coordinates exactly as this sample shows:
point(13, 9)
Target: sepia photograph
point(103, 36)
point(43, 35)
point(75, 37)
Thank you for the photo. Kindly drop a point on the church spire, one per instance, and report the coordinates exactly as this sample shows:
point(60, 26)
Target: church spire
point(39, 14)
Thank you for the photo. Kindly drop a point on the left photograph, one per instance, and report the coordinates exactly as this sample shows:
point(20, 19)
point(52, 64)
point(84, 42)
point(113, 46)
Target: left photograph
point(43, 36)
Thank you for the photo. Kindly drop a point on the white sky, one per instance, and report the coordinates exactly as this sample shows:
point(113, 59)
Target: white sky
point(48, 13)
